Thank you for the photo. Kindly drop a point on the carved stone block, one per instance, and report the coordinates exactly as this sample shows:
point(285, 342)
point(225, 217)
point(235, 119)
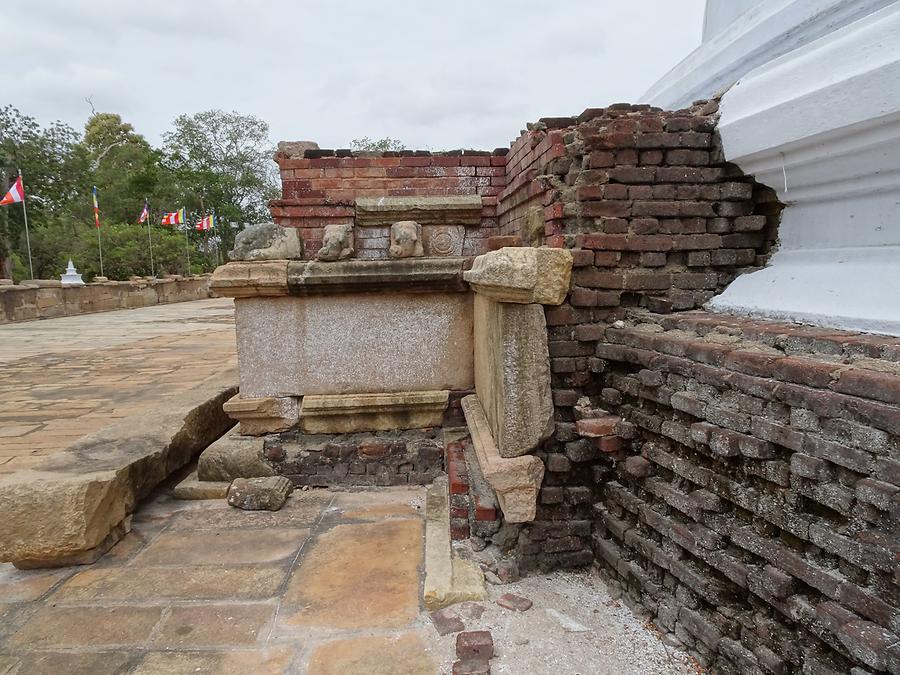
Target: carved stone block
point(263, 415)
point(350, 413)
point(337, 242)
point(406, 240)
point(522, 275)
point(443, 240)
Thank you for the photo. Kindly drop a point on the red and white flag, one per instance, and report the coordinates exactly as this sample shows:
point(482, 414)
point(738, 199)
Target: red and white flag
point(206, 223)
point(16, 193)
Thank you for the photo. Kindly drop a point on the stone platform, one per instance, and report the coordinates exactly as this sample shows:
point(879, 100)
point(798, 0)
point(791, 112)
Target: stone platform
point(97, 411)
point(330, 584)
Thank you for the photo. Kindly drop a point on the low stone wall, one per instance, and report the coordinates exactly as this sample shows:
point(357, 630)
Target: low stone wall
point(50, 299)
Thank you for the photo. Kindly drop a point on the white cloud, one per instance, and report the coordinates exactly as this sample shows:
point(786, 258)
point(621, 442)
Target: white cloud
point(468, 73)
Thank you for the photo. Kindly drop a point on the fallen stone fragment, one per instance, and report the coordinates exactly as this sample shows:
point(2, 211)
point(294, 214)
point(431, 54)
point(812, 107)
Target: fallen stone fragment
point(514, 602)
point(259, 494)
point(472, 667)
point(446, 622)
point(567, 622)
point(508, 571)
point(470, 610)
point(474, 644)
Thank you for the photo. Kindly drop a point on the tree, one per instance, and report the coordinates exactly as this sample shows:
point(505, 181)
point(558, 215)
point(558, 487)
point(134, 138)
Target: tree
point(366, 144)
point(223, 161)
point(124, 167)
point(56, 171)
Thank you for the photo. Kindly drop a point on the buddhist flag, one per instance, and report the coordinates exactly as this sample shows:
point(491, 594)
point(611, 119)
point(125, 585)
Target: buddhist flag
point(16, 193)
point(207, 223)
point(145, 213)
point(174, 218)
point(96, 207)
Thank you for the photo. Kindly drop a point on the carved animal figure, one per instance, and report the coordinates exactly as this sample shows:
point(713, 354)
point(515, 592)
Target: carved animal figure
point(337, 243)
point(406, 239)
point(267, 241)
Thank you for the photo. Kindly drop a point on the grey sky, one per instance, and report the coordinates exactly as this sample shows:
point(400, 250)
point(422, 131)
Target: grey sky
point(435, 74)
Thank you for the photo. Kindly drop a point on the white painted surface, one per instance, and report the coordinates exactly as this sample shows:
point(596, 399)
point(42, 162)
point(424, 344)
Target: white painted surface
point(821, 126)
point(740, 35)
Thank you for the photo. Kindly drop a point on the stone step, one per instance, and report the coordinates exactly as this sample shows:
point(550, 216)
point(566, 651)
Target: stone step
point(448, 579)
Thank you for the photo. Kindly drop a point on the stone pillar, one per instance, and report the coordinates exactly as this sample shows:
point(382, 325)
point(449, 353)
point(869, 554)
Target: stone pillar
point(512, 365)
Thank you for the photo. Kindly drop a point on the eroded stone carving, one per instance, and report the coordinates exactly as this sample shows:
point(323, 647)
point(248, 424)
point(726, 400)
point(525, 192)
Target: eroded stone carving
point(337, 243)
point(267, 241)
point(522, 275)
point(406, 240)
point(443, 240)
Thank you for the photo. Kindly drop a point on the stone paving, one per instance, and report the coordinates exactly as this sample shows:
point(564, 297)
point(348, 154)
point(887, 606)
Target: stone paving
point(63, 378)
point(329, 585)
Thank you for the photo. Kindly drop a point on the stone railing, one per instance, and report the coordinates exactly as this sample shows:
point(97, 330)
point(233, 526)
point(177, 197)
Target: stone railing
point(47, 299)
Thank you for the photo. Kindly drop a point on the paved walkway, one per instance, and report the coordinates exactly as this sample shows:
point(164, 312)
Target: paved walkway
point(329, 585)
point(63, 378)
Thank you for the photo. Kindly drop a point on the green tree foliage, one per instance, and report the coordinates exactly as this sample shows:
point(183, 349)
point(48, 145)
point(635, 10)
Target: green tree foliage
point(366, 144)
point(56, 170)
point(210, 161)
point(223, 160)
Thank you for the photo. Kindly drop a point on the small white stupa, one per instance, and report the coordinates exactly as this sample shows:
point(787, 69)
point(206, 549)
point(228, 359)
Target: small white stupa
point(71, 277)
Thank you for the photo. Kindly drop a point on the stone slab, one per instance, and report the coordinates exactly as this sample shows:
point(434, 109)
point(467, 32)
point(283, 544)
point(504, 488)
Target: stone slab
point(87, 626)
point(426, 210)
point(233, 456)
point(352, 413)
point(194, 488)
point(74, 500)
point(227, 625)
point(376, 564)
point(174, 582)
point(266, 415)
point(516, 480)
point(522, 275)
point(448, 580)
point(512, 373)
point(227, 662)
point(405, 654)
point(222, 547)
point(251, 279)
point(353, 344)
point(409, 275)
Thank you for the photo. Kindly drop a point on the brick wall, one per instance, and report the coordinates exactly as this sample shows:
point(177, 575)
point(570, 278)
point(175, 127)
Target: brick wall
point(322, 186)
point(737, 479)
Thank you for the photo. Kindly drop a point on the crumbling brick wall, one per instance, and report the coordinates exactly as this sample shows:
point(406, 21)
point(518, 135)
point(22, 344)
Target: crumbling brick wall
point(746, 491)
point(322, 186)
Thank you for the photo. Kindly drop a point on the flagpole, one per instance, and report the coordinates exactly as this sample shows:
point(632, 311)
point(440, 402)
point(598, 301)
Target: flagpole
point(187, 248)
point(27, 238)
point(97, 225)
point(150, 240)
point(100, 248)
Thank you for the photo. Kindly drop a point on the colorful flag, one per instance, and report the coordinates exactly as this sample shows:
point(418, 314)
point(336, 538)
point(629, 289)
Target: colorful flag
point(207, 223)
point(96, 207)
point(145, 213)
point(16, 193)
point(173, 218)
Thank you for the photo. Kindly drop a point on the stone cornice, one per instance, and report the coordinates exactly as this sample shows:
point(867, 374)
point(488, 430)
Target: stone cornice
point(273, 278)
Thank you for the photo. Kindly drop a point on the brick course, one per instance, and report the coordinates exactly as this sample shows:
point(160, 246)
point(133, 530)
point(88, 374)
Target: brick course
point(322, 187)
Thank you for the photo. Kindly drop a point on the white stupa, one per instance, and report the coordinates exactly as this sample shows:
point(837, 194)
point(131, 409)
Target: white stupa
point(814, 112)
point(71, 277)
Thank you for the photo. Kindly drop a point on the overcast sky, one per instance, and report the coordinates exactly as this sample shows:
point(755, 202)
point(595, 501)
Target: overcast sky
point(434, 74)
